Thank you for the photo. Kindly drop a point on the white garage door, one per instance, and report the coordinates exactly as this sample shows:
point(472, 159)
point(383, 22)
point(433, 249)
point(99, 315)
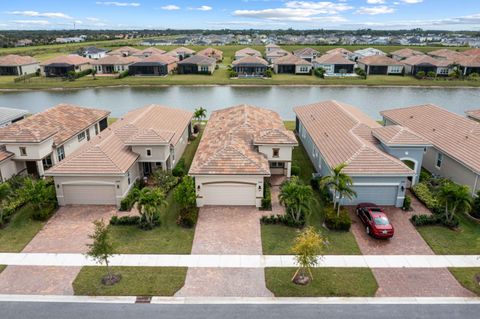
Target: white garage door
point(89, 195)
point(380, 195)
point(229, 194)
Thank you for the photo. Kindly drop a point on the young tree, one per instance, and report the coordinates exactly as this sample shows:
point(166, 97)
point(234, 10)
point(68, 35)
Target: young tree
point(308, 248)
point(185, 194)
point(340, 183)
point(454, 198)
point(38, 192)
point(296, 197)
point(200, 113)
point(5, 193)
point(101, 250)
point(149, 202)
point(94, 73)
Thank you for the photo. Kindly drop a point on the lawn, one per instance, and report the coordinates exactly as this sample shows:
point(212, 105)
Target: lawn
point(2, 267)
point(136, 281)
point(466, 277)
point(191, 149)
point(328, 282)
point(21, 229)
point(444, 241)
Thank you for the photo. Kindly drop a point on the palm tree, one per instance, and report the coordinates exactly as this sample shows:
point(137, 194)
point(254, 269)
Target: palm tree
point(296, 197)
point(5, 193)
point(200, 113)
point(454, 197)
point(149, 202)
point(344, 191)
point(338, 181)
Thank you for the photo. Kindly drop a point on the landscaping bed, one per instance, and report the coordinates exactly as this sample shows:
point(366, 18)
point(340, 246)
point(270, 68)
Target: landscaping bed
point(468, 278)
point(135, 281)
point(327, 282)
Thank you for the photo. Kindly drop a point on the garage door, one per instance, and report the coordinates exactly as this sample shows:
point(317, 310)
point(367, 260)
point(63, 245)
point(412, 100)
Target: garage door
point(380, 195)
point(229, 194)
point(89, 195)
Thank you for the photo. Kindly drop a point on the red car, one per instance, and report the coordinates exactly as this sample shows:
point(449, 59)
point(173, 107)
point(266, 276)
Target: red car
point(376, 222)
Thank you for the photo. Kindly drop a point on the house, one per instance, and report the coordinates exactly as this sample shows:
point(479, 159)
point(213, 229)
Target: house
point(456, 141)
point(212, 53)
point(271, 56)
point(380, 64)
point(346, 53)
point(334, 133)
point(154, 65)
point(112, 64)
point(103, 170)
point(94, 53)
point(334, 63)
point(307, 54)
point(8, 168)
point(62, 65)
point(425, 63)
point(247, 52)
point(271, 47)
point(10, 115)
point(46, 138)
point(241, 147)
point(368, 52)
point(292, 64)
point(124, 51)
point(18, 65)
point(446, 54)
point(145, 53)
point(469, 64)
point(197, 64)
point(405, 53)
point(250, 66)
point(181, 53)
point(474, 114)
point(474, 51)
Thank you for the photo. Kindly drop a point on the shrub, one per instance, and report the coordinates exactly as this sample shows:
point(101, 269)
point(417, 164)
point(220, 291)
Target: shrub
point(268, 73)
point(165, 180)
point(128, 201)
point(124, 220)
point(232, 74)
point(286, 220)
point(475, 212)
point(431, 74)
point(424, 220)
point(425, 195)
point(474, 76)
point(267, 198)
point(188, 218)
point(146, 224)
point(72, 75)
point(123, 74)
point(295, 170)
point(425, 176)
point(420, 74)
point(315, 183)
point(319, 72)
point(196, 128)
point(341, 222)
point(361, 73)
point(25, 77)
point(180, 169)
point(407, 203)
point(45, 212)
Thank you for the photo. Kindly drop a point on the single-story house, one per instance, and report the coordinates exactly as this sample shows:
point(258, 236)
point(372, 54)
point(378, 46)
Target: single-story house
point(145, 53)
point(18, 65)
point(271, 47)
point(368, 52)
point(93, 53)
point(425, 63)
point(473, 114)
point(250, 66)
point(469, 64)
point(456, 141)
point(334, 133)
point(46, 138)
point(104, 170)
point(181, 53)
point(474, 51)
point(10, 115)
point(380, 64)
point(111, 64)
point(212, 53)
point(240, 147)
point(271, 56)
point(307, 54)
point(247, 52)
point(334, 63)
point(8, 168)
point(197, 64)
point(62, 65)
point(124, 51)
point(346, 53)
point(405, 53)
point(292, 64)
point(154, 65)
point(446, 54)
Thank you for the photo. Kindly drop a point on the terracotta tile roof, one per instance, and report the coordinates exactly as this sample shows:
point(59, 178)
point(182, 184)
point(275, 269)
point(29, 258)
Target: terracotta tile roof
point(72, 59)
point(180, 50)
point(199, 60)
point(13, 60)
point(116, 60)
point(4, 154)
point(211, 52)
point(250, 60)
point(393, 135)
point(472, 61)
point(426, 59)
point(475, 114)
point(378, 60)
point(475, 51)
point(333, 58)
point(339, 50)
point(406, 53)
point(159, 58)
point(446, 53)
point(305, 51)
point(272, 45)
point(247, 52)
point(452, 134)
point(343, 134)
point(123, 50)
point(110, 153)
point(227, 145)
point(291, 59)
point(149, 51)
point(63, 122)
point(277, 53)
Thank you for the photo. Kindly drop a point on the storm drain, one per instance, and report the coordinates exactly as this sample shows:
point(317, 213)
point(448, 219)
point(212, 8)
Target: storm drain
point(143, 299)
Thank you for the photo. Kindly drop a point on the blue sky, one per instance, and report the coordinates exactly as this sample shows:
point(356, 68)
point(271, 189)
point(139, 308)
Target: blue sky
point(240, 14)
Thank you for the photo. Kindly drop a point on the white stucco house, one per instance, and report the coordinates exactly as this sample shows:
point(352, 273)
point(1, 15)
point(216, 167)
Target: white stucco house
point(103, 171)
point(18, 65)
point(241, 147)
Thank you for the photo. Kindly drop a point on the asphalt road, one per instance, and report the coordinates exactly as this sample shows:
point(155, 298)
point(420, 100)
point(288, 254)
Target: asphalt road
point(41, 310)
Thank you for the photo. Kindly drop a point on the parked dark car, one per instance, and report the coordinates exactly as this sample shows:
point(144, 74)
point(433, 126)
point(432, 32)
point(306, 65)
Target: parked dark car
point(376, 222)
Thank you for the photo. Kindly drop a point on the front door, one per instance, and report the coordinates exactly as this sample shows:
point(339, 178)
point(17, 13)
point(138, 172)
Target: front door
point(147, 168)
point(32, 168)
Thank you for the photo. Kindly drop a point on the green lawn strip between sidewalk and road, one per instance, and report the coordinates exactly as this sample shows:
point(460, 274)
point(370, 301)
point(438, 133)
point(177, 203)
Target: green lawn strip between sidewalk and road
point(468, 278)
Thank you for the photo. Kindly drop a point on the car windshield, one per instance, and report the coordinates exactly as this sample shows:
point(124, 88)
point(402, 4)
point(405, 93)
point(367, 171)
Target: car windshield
point(381, 220)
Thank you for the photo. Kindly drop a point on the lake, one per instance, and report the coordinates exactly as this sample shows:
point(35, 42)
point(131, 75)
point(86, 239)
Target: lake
point(282, 99)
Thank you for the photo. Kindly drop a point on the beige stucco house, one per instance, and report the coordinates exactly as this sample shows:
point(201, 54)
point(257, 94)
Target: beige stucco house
point(102, 171)
point(241, 147)
point(18, 65)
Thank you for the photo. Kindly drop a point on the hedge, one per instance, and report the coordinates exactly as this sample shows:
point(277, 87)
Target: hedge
point(341, 222)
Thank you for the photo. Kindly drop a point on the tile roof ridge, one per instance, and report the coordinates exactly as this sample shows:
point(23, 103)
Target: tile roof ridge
point(139, 116)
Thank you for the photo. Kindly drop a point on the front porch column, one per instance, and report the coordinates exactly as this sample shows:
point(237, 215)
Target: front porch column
point(40, 170)
point(289, 169)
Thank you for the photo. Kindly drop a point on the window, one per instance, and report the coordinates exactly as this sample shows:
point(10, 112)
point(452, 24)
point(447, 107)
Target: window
point(438, 164)
point(149, 152)
point(47, 162)
point(23, 151)
point(304, 69)
point(204, 68)
point(60, 153)
point(277, 164)
point(81, 136)
point(128, 178)
point(276, 152)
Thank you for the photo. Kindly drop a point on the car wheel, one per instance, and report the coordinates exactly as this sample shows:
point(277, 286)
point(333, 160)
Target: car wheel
point(367, 230)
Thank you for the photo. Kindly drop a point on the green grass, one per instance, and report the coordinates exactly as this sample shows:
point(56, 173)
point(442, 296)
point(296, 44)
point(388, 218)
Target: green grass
point(191, 149)
point(21, 229)
point(2, 267)
point(444, 241)
point(466, 277)
point(136, 281)
point(327, 282)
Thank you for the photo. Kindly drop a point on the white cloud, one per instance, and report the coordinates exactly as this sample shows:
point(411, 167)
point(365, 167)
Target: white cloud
point(170, 7)
point(33, 22)
point(91, 19)
point(325, 7)
point(375, 10)
point(201, 8)
point(41, 14)
point(375, 1)
point(118, 4)
point(411, 1)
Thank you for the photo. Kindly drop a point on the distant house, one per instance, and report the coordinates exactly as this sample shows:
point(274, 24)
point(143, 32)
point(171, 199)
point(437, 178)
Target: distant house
point(250, 66)
point(124, 51)
point(181, 53)
point(247, 52)
point(111, 64)
point(405, 53)
point(156, 65)
point(380, 64)
point(469, 64)
point(271, 56)
point(271, 48)
point(346, 53)
point(145, 53)
point(94, 53)
point(62, 65)
point(474, 114)
point(307, 54)
point(10, 115)
point(368, 52)
point(212, 53)
point(334, 63)
point(197, 64)
point(425, 63)
point(18, 65)
point(292, 64)
point(446, 54)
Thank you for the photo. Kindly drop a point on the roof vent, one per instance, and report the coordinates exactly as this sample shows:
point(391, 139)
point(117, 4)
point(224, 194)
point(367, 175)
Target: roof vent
point(411, 116)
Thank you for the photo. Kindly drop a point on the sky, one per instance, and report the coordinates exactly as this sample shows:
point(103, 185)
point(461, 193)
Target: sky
point(240, 14)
